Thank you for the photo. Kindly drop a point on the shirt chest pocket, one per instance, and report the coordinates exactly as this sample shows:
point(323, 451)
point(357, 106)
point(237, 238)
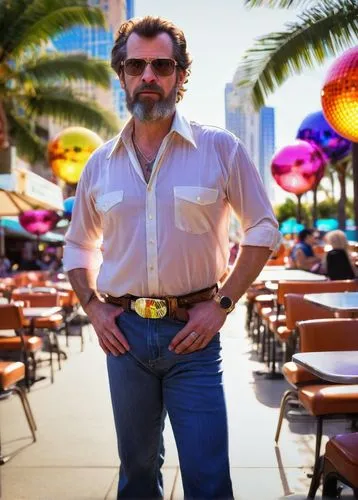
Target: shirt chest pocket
point(106, 202)
point(194, 208)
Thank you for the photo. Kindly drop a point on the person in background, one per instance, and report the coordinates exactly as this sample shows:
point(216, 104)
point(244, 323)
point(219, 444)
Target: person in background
point(337, 240)
point(302, 255)
point(49, 260)
point(28, 261)
point(159, 196)
point(5, 267)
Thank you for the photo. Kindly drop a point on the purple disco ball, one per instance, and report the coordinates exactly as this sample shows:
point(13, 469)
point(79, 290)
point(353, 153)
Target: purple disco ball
point(298, 167)
point(38, 221)
point(315, 128)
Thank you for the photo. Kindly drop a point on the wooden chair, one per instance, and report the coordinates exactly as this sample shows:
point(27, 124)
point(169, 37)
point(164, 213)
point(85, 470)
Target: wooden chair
point(328, 401)
point(10, 374)
point(340, 463)
point(26, 346)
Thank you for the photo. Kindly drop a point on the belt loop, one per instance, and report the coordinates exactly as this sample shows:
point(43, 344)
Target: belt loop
point(172, 306)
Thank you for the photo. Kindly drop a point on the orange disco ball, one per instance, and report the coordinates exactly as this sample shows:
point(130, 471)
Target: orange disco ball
point(339, 95)
point(69, 151)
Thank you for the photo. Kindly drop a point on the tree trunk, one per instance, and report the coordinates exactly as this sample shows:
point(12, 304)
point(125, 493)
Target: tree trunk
point(4, 137)
point(314, 208)
point(331, 177)
point(299, 209)
point(343, 197)
point(355, 184)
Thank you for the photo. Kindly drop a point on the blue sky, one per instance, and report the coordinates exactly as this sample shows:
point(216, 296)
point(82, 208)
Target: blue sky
point(217, 33)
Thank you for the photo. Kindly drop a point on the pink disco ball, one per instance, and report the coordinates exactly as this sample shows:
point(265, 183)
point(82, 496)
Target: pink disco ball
point(298, 167)
point(38, 221)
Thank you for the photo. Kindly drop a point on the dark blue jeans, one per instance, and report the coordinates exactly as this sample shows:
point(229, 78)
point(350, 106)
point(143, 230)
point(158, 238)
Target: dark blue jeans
point(149, 381)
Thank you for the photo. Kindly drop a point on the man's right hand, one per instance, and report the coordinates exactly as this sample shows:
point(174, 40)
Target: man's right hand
point(102, 317)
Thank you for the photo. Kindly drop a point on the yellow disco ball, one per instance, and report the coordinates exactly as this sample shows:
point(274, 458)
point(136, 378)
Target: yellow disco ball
point(69, 151)
point(339, 95)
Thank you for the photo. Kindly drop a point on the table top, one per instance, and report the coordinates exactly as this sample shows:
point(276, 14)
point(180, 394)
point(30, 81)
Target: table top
point(333, 366)
point(40, 312)
point(60, 285)
point(335, 301)
point(288, 274)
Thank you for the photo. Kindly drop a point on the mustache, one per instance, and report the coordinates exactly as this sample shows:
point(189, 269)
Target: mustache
point(150, 87)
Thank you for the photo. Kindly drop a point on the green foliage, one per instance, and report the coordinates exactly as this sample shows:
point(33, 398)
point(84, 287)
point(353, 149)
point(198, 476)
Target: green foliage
point(288, 209)
point(36, 84)
point(324, 29)
point(326, 209)
point(283, 4)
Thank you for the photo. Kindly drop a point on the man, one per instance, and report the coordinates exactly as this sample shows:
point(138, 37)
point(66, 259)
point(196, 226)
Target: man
point(159, 195)
point(302, 255)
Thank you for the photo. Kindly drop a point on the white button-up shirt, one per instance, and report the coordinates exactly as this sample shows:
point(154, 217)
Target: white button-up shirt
point(170, 236)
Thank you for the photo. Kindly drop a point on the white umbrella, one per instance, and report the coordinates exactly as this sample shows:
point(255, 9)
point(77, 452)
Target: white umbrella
point(23, 190)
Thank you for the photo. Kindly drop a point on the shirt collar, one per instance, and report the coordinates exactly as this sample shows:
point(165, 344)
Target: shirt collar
point(180, 126)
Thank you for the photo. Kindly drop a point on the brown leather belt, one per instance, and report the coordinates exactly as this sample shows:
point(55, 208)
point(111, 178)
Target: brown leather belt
point(159, 307)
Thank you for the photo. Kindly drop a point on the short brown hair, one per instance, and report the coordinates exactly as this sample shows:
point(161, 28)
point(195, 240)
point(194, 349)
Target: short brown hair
point(149, 27)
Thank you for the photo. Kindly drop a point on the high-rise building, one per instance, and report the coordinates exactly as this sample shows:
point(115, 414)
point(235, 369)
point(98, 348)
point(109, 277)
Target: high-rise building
point(267, 147)
point(256, 130)
point(130, 8)
point(98, 42)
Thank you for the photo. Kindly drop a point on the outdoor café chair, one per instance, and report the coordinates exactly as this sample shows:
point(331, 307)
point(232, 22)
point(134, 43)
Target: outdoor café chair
point(328, 401)
point(12, 372)
point(340, 464)
point(48, 326)
point(297, 309)
point(15, 342)
point(277, 323)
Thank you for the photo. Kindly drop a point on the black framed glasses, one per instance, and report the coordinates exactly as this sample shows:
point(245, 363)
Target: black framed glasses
point(161, 66)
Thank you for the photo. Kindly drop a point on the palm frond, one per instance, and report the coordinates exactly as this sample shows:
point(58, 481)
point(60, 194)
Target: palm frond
point(67, 107)
point(57, 68)
point(28, 145)
point(282, 4)
point(320, 32)
point(43, 19)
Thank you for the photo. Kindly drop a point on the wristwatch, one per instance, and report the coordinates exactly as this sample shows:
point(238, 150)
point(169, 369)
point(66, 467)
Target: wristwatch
point(224, 302)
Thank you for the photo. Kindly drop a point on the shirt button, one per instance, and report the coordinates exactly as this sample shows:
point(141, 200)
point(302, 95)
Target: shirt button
point(151, 242)
point(151, 268)
point(150, 217)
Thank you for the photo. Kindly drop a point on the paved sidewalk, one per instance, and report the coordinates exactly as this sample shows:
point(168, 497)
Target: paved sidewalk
point(75, 455)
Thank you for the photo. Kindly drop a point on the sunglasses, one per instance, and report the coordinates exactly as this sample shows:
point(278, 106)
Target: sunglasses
point(160, 66)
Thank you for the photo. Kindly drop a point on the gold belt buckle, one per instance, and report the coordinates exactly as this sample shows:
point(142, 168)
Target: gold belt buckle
point(150, 308)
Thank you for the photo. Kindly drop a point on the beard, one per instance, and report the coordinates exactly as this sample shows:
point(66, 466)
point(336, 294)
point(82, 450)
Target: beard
point(146, 109)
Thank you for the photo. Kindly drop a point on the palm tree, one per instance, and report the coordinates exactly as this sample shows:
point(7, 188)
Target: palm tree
point(37, 83)
point(323, 29)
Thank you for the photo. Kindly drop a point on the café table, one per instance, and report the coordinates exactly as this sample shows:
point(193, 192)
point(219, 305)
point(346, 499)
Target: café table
point(339, 302)
point(33, 313)
point(339, 367)
point(275, 275)
point(60, 285)
point(40, 312)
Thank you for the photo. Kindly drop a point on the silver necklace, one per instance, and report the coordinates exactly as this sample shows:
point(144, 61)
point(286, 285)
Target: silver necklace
point(145, 157)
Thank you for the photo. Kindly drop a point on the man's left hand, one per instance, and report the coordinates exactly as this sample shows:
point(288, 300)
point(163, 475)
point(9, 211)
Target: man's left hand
point(205, 320)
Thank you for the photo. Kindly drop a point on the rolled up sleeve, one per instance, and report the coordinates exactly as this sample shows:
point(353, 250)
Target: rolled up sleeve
point(247, 196)
point(84, 236)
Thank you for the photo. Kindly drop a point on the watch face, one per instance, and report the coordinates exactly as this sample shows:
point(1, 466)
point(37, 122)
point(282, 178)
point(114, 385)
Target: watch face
point(225, 302)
